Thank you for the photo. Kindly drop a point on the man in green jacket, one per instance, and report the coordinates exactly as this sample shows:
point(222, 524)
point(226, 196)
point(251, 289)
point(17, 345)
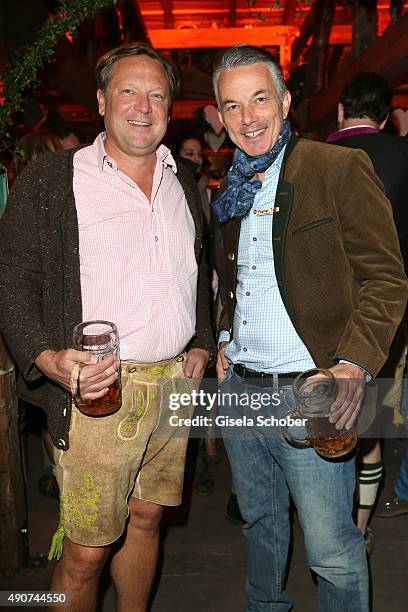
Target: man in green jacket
point(313, 278)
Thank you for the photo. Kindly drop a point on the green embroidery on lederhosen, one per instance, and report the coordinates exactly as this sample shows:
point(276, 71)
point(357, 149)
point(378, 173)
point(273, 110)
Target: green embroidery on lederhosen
point(78, 511)
point(159, 371)
point(128, 427)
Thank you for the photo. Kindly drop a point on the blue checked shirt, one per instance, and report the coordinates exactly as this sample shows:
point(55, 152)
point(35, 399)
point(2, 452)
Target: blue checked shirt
point(264, 337)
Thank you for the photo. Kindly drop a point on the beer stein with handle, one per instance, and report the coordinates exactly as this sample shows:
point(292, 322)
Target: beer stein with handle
point(101, 339)
point(315, 391)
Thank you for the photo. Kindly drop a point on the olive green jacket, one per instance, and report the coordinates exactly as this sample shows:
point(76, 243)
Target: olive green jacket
point(336, 255)
point(40, 288)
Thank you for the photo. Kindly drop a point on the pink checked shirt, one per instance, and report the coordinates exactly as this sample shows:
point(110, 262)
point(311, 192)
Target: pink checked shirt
point(137, 262)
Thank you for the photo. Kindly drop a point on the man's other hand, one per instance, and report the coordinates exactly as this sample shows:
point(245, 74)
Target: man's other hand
point(351, 384)
point(222, 362)
point(196, 363)
point(95, 378)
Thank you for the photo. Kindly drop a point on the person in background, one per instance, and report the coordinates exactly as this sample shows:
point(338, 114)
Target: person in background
point(70, 138)
point(313, 278)
point(31, 146)
point(191, 148)
point(363, 110)
point(397, 504)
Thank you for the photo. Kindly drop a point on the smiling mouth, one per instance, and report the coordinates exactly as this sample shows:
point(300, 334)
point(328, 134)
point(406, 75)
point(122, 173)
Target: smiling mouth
point(139, 123)
point(254, 134)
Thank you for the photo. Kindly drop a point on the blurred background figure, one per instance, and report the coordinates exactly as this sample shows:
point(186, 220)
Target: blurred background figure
point(363, 111)
point(30, 147)
point(70, 138)
point(190, 148)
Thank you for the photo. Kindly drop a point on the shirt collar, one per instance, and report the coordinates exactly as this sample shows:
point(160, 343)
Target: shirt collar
point(354, 130)
point(275, 167)
point(360, 125)
point(163, 155)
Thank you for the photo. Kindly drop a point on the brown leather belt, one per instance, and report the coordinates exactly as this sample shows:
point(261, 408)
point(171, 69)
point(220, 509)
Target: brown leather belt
point(262, 379)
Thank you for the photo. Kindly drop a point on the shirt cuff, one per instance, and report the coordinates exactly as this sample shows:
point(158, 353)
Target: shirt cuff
point(224, 336)
point(367, 374)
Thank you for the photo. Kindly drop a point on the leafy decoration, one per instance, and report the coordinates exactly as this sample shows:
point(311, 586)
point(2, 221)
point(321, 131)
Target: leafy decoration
point(22, 74)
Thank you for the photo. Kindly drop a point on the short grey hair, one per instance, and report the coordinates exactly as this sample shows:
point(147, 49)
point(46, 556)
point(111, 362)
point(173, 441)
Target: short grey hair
point(246, 55)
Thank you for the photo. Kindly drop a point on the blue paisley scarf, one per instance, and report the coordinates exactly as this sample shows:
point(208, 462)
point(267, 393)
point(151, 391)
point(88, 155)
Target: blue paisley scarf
point(238, 198)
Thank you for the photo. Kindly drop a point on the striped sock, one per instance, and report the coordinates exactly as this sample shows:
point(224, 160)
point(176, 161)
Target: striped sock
point(369, 479)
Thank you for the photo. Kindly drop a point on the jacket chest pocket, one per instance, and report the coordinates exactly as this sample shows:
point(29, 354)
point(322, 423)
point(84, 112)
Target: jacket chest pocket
point(312, 225)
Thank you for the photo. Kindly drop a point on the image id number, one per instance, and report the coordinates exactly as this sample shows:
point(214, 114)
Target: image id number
point(31, 598)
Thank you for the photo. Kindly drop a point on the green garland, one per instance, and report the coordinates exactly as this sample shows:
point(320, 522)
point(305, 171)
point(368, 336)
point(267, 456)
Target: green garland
point(23, 73)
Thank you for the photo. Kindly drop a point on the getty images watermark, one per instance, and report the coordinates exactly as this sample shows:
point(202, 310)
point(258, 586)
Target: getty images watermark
point(208, 401)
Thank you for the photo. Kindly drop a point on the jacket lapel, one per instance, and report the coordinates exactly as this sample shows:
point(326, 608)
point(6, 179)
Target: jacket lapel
point(194, 204)
point(283, 201)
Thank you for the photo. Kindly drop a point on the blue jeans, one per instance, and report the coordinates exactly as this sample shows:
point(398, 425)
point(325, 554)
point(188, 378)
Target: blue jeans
point(266, 469)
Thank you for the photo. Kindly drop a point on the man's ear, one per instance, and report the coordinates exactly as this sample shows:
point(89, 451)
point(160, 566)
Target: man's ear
point(286, 103)
point(100, 96)
point(220, 117)
point(340, 115)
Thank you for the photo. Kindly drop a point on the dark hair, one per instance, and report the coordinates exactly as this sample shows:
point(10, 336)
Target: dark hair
point(103, 69)
point(246, 55)
point(33, 145)
point(367, 95)
point(65, 131)
point(187, 136)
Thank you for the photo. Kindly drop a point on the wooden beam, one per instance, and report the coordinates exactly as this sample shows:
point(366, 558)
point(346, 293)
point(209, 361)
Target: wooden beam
point(316, 75)
point(364, 26)
point(268, 36)
point(306, 31)
point(168, 13)
point(133, 23)
point(387, 56)
point(203, 38)
point(232, 19)
point(290, 11)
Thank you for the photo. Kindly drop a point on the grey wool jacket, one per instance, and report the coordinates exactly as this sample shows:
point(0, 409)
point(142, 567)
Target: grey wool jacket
point(40, 289)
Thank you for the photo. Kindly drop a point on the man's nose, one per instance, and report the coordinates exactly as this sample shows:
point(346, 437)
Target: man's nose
point(247, 115)
point(142, 103)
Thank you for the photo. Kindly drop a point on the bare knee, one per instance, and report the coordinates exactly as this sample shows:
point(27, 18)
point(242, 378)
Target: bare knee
point(145, 515)
point(83, 562)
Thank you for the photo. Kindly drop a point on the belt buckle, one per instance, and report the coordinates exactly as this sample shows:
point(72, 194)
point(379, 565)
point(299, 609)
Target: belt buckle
point(243, 372)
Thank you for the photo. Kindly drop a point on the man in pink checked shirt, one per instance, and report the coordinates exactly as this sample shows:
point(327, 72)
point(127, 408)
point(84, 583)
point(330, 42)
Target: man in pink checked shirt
point(111, 231)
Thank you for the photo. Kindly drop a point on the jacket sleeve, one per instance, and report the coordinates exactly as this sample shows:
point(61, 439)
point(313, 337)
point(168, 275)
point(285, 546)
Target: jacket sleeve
point(371, 246)
point(20, 274)
point(204, 337)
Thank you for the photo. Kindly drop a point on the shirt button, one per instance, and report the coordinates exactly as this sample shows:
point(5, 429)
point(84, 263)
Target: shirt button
point(244, 322)
point(254, 267)
point(247, 293)
point(245, 349)
point(156, 238)
point(254, 238)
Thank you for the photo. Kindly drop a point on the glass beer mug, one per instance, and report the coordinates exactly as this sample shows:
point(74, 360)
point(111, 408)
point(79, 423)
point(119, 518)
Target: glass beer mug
point(100, 338)
point(315, 391)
